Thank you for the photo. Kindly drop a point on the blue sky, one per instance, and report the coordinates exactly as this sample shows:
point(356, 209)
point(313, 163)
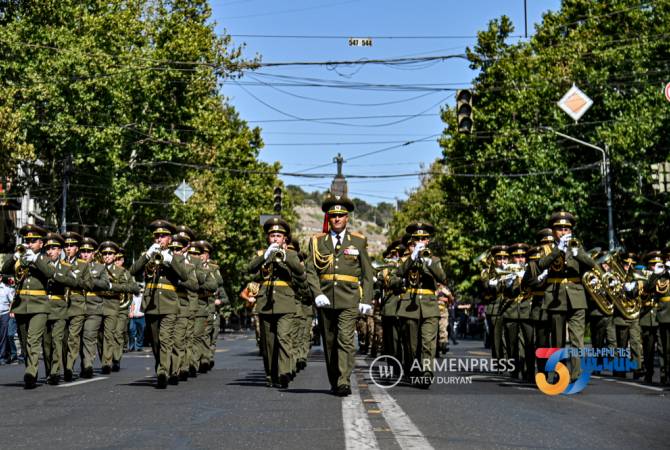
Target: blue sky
point(360, 120)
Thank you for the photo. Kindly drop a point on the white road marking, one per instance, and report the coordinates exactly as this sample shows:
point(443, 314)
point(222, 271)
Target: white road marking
point(77, 383)
point(643, 386)
point(358, 432)
point(405, 432)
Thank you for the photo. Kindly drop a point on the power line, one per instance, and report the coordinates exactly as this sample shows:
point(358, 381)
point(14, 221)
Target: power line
point(342, 36)
point(388, 61)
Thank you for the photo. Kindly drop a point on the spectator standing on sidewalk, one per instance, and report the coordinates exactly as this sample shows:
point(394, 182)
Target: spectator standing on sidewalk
point(6, 297)
point(136, 323)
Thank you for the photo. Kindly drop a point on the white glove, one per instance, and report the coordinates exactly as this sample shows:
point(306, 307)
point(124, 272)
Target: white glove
point(167, 257)
point(29, 256)
point(593, 281)
point(630, 286)
point(417, 248)
point(364, 308)
point(520, 273)
point(110, 286)
point(17, 256)
point(613, 283)
point(543, 276)
point(155, 248)
point(509, 281)
point(563, 242)
point(493, 282)
point(659, 268)
point(321, 301)
point(427, 261)
point(271, 248)
point(667, 264)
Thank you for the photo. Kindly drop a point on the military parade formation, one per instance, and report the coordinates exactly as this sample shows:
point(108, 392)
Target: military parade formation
point(73, 296)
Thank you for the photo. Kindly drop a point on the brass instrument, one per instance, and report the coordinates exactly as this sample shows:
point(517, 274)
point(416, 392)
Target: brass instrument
point(21, 249)
point(614, 284)
point(21, 271)
point(597, 288)
point(574, 243)
point(425, 253)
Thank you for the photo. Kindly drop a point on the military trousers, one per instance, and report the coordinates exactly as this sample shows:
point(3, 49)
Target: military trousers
point(635, 341)
point(33, 327)
point(91, 332)
point(162, 339)
point(188, 347)
point(53, 346)
point(74, 340)
point(296, 328)
point(520, 338)
point(575, 320)
point(541, 334)
point(420, 343)
point(377, 344)
point(649, 351)
point(392, 337)
point(498, 344)
point(305, 337)
point(106, 341)
point(120, 333)
point(200, 342)
point(364, 328)
point(623, 340)
point(276, 339)
point(599, 326)
point(179, 345)
point(337, 331)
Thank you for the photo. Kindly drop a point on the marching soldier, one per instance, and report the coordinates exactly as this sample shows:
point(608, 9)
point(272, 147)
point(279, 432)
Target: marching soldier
point(31, 303)
point(493, 297)
point(392, 287)
point(565, 298)
point(658, 287)
point(417, 309)
point(58, 286)
point(216, 299)
point(516, 316)
point(200, 352)
point(121, 329)
point(341, 277)
point(535, 282)
point(627, 330)
point(305, 314)
point(443, 324)
point(187, 292)
point(161, 303)
point(249, 294)
point(76, 311)
point(281, 271)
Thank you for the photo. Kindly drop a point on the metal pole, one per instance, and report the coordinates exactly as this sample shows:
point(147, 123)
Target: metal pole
point(63, 214)
point(608, 182)
point(525, 17)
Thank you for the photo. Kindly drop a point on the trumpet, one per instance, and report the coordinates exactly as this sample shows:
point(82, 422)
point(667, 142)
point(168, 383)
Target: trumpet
point(21, 249)
point(425, 253)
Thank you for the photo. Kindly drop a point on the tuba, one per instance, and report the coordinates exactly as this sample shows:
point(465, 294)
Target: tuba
point(614, 284)
point(595, 285)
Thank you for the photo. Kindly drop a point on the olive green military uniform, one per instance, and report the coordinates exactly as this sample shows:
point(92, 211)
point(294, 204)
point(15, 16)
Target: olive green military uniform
point(344, 276)
point(276, 306)
point(216, 311)
point(419, 313)
point(76, 313)
point(392, 287)
point(658, 286)
point(565, 298)
point(31, 308)
point(121, 327)
point(206, 283)
point(538, 315)
point(493, 297)
point(519, 329)
point(57, 289)
point(161, 306)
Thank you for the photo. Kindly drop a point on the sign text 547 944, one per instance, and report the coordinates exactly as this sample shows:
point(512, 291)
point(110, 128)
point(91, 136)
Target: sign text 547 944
point(360, 42)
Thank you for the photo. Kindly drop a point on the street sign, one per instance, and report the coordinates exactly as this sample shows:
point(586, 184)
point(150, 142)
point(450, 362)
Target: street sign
point(667, 92)
point(184, 191)
point(575, 103)
point(360, 42)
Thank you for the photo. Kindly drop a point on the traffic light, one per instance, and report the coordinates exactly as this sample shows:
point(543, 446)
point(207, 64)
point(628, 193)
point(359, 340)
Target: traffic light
point(277, 200)
point(464, 110)
point(660, 173)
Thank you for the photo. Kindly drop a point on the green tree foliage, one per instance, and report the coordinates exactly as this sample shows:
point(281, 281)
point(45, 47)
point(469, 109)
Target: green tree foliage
point(500, 184)
point(123, 97)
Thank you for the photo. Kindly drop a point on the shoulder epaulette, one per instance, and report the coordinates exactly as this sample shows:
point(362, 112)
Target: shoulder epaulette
point(357, 234)
point(260, 253)
point(213, 265)
point(81, 260)
point(319, 235)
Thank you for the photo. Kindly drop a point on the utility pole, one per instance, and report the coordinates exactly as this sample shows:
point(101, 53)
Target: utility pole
point(66, 183)
point(607, 175)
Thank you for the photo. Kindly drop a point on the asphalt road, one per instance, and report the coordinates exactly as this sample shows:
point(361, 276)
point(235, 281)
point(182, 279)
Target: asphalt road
point(230, 407)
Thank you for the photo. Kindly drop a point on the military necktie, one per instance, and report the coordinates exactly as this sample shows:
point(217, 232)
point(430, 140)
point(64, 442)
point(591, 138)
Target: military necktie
point(338, 244)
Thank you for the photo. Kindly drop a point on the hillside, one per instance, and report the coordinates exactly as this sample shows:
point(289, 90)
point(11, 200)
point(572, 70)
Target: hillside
point(310, 221)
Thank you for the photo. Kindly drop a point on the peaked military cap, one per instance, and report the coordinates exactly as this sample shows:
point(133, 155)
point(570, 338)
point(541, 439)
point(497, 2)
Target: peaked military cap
point(420, 229)
point(630, 258)
point(108, 247)
point(391, 247)
point(72, 238)
point(161, 226)
point(534, 253)
point(562, 219)
point(205, 246)
point(186, 231)
point(179, 240)
point(653, 257)
point(499, 250)
point(276, 225)
point(405, 239)
point(32, 231)
point(88, 243)
point(519, 249)
point(54, 240)
point(545, 236)
point(337, 204)
point(195, 248)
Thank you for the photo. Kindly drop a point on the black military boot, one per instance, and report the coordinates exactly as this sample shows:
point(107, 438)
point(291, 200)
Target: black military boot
point(283, 381)
point(87, 372)
point(67, 376)
point(192, 372)
point(106, 370)
point(29, 381)
point(116, 366)
point(173, 380)
point(161, 381)
point(183, 375)
point(53, 380)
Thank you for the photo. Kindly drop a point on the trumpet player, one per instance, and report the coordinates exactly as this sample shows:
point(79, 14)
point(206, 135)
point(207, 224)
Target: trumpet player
point(516, 315)
point(627, 329)
point(215, 298)
point(281, 272)
point(493, 297)
point(31, 303)
point(658, 287)
point(121, 329)
point(392, 287)
point(76, 311)
point(418, 308)
point(565, 298)
point(162, 273)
